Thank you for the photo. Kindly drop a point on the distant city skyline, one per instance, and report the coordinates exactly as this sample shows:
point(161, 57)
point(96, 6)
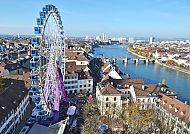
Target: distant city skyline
point(115, 18)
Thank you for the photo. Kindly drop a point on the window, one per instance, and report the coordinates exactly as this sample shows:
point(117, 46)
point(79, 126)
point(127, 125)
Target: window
point(89, 85)
point(107, 105)
point(89, 81)
point(84, 85)
point(107, 99)
point(115, 98)
point(80, 85)
point(114, 105)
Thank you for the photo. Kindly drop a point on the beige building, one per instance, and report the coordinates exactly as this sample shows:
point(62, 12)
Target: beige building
point(109, 99)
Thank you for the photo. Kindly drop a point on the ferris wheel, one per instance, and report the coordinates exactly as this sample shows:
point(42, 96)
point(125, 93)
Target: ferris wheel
point(47, 63)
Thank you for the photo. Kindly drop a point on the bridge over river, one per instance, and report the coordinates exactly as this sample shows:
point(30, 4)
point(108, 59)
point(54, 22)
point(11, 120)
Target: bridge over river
point(136, 60)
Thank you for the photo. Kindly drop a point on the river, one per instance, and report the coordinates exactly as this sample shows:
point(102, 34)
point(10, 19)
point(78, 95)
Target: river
point(151, 73)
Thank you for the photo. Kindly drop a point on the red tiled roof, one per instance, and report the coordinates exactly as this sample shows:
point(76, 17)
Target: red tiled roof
point(109, 89)
point(75, 56)
point(170, 104)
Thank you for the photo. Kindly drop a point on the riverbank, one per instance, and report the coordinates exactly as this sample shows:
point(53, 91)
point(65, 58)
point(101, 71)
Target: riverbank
point(135, 54)
point(163, 64)
point(174, 67)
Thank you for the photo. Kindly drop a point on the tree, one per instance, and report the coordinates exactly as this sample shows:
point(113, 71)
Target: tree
point(164, 82)
point(139, 120)
point(130, 45)
point(91, 118)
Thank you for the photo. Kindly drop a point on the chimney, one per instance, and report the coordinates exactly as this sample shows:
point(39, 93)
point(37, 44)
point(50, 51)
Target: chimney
point(186, 102)
point(143, 88)
point(111, 83)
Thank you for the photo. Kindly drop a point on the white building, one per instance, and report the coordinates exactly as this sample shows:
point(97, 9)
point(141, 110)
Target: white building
point(131, 40)
point(99, 38)
point(85, 82)
point(152, 39)
point(122, 91)
point(77, 74)
point(122, 40)
point(13, 104)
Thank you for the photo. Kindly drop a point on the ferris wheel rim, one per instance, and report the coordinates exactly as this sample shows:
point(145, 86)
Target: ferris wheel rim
point(49, 65)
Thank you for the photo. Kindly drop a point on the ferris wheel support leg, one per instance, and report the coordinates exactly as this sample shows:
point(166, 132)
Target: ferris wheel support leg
point(62, 88)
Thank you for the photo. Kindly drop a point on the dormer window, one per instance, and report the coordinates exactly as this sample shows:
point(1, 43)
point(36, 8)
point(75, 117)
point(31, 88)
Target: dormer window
point(164, 102)
point(176, 110)
point(171, 106)
point(183, 113)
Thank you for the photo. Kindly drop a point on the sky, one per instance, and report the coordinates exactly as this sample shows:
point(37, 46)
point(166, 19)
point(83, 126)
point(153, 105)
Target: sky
point(115, 18)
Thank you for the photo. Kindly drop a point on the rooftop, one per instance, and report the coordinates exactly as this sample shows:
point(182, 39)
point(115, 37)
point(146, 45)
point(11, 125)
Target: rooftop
point(11, 97)
point(176, 107)
point(75, 56)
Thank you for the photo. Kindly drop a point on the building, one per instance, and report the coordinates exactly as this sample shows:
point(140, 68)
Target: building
point(123, 91)
point(14, 100)
point(176, 114)
point(78, 77)
point(8, 68)
point(131, 40)
point(109, 99)
point(77, 57)
point(99, 38)
point(57, 128)
point(122, 40)
point(152, 39)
